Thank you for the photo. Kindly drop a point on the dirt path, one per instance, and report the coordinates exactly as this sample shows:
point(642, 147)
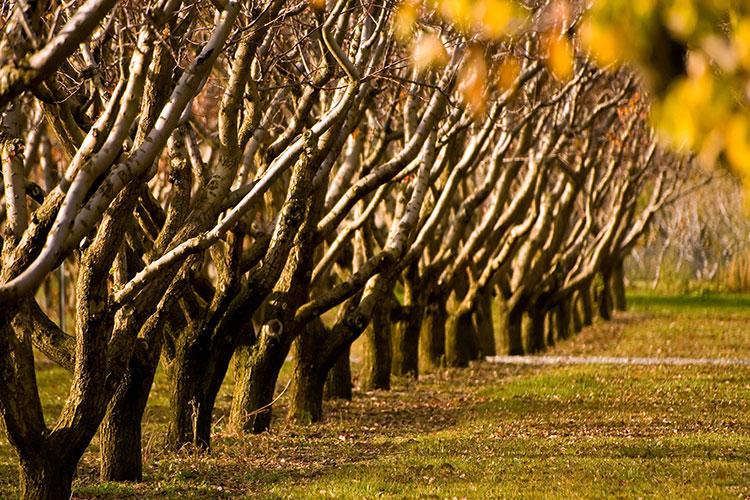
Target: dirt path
point(614, 360)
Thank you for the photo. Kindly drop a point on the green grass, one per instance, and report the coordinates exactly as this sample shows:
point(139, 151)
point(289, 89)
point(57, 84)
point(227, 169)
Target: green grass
point(494, 431)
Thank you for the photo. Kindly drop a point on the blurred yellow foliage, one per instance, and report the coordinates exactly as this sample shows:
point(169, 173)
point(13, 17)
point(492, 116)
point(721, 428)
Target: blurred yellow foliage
point(472, 80)
point(428, 52)
point(493, 17)
point(560, 57)
point(507, 72)
point(404, 18)
point(695, 53)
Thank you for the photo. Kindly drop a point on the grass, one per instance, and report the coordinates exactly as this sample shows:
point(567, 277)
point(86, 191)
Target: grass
point(493, 431)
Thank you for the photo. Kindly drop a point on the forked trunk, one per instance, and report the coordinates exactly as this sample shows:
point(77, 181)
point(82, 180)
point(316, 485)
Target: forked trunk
point(196, 375)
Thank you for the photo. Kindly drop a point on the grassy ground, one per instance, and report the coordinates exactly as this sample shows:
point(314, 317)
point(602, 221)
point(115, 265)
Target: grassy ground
point(577, 431)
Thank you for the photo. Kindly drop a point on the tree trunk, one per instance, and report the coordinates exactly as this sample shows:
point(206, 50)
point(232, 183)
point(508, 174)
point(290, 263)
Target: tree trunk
point(551, 327)
point(587, 307)
point(514, 332)
point(484, 323)
point(193, 392)
point(432, 338)
point(618, 286)
point(460, 340)
point(339, 381)
point(563, 318)
point(256, 372)
point(46, 477)
point(376, 365)
point(576, 313)
point(406, 342)
point(306, 405)
point(533, 325)
point(120, 432)
point(605, 296)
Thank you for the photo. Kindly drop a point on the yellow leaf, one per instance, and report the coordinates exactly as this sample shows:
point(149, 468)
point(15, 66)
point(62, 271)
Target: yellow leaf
point(737, 142)
point(681, 18)
point(508, 72)
point(317, 4)
point(404, 19)
point(472, 81)
point(601, 41)
point(458, 12)
point(428, 52)
point(560, 57)
point(742, 43)
point(493, 16)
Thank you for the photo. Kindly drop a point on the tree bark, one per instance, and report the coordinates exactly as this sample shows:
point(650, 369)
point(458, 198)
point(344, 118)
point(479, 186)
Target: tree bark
point(576, 317)
point(306, 405)
point(339, 382)
point(587, 307)
point(432, 338)
point(484, 323)
point(514, 332)
point(618, 286)
point(533, 324)
point(46, 477)
point(461, 345)
point(605, 296)
point(257, 370)
point(406, 343)
point(563, 318)
point(550, 325)
point(376, 366)
point(120, 432)
point(196, 376)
